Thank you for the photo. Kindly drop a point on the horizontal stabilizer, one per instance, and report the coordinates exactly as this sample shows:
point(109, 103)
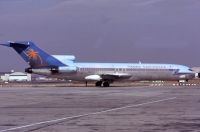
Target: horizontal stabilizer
point(8, 44)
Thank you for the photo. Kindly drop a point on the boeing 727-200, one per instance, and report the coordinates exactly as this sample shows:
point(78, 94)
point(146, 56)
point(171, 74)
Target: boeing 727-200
point(103, 74)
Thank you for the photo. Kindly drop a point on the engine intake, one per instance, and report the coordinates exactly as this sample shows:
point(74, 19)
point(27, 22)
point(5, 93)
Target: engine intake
point(28, 70)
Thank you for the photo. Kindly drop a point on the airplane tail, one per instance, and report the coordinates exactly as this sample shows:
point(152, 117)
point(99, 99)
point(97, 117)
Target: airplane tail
point(33, 55)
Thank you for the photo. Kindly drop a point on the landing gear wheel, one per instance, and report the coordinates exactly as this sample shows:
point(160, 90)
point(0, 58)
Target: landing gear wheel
point(98, 84)
point(106, 84)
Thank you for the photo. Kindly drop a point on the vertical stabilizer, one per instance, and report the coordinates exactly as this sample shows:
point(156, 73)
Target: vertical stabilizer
point(33, 55)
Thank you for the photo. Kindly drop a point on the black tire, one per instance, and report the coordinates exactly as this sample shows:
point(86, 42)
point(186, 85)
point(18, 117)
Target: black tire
point(106, 84)
point(98, 84)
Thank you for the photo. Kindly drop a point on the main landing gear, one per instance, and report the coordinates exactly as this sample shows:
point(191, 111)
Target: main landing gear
point(102, 83)
point(183, 82)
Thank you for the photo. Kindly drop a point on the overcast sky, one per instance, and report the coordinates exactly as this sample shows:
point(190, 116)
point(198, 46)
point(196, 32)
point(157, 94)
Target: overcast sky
point(150, 31)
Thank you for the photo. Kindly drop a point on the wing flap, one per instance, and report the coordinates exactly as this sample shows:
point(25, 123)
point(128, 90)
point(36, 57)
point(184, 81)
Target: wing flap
point(112, 77)
point(115, 76)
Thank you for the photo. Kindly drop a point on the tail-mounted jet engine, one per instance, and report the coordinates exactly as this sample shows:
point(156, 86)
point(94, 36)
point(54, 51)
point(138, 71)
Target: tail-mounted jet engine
point(48, 71)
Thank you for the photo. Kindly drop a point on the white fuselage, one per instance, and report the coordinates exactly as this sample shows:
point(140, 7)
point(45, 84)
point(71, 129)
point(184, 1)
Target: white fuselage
point(128, 71)
point(65, 67)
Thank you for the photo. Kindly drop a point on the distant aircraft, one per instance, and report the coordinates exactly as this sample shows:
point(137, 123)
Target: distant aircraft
point(103, 74)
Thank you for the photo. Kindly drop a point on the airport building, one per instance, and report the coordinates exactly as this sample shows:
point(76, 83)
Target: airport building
point(15, 76)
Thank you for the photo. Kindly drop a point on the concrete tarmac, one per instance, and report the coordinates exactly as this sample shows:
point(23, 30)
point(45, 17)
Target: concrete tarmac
point(91, 109)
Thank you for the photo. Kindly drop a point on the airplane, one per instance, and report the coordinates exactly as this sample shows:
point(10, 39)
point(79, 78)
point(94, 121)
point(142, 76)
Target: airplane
point(102, 74)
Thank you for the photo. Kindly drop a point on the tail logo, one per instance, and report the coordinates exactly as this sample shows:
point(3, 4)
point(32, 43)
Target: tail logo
point(34, 57)
point(32, 54)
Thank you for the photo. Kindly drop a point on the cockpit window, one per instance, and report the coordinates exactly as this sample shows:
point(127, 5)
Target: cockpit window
point(190, 69)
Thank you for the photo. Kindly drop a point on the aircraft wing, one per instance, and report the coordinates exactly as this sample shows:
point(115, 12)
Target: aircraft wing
point(115, 76)
point(108, 76)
